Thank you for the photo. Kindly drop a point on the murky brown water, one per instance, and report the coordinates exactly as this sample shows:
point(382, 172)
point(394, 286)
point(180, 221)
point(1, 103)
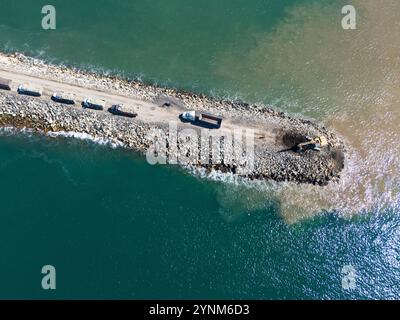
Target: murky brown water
point(349, 79)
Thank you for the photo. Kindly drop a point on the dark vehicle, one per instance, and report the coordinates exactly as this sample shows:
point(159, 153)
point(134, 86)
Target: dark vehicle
point(29, 91)
point(5, 84)
point(202, 118)
point(63, 98)
point(118, 110)
point(94, 104)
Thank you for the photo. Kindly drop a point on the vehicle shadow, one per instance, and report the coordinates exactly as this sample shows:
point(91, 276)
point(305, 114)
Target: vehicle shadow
point(29, 94)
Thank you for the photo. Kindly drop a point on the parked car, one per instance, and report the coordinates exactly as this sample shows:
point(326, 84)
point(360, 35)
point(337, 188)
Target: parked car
point(63, 97)
point(119, 110)
point(29, 90)
point(96, 104)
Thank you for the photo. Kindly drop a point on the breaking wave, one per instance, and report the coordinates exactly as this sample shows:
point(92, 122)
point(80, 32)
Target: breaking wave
point(27, 132)
point(87, 137)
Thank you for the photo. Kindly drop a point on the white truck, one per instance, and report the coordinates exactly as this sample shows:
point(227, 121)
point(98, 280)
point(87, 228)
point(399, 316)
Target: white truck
point(29, 90)
point(95, 104)
point(202, 118)
point(63, 97)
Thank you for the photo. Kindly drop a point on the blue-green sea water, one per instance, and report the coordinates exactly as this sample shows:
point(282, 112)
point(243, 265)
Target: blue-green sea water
point(116, 227)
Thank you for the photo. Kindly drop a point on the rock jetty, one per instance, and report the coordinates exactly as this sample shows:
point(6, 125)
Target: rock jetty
point(271, 160)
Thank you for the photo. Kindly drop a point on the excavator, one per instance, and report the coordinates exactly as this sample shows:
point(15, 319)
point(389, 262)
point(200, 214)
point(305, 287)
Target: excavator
point(312, 144)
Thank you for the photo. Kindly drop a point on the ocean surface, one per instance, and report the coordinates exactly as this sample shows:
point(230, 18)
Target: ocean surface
point(116, 227)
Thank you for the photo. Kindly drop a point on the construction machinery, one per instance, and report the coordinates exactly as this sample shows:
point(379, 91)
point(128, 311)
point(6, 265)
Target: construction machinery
point(312, 144)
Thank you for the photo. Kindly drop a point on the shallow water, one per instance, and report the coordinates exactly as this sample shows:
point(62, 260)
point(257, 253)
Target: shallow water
point(231, 239)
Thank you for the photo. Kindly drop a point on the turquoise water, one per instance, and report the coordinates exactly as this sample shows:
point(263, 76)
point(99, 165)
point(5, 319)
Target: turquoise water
point(116, 227)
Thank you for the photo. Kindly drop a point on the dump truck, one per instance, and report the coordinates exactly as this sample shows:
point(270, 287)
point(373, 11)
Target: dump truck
point(201, 118)
point(29, 90)
point(96, 104)
point(5, 84)
point(63, 97)
point(312, 144)
point(120, 110)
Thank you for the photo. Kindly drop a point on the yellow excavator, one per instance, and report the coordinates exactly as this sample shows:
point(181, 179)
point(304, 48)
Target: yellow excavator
point(312, 144)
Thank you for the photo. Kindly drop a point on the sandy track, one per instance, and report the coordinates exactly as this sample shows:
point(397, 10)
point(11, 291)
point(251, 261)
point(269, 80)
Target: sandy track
point(148, 112)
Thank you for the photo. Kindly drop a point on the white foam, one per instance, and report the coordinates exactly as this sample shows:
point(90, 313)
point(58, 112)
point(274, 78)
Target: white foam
point(86, 137)
point(8, 131)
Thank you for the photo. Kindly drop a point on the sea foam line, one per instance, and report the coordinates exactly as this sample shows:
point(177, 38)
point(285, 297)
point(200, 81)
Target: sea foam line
point(86, 137)
point(9, 130)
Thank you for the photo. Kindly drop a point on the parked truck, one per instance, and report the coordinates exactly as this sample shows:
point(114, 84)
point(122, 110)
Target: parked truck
point(5, 84)
point(63, 97)
point(120, 110)
point(202, 118)
point(95, 104)
point(29, 90)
